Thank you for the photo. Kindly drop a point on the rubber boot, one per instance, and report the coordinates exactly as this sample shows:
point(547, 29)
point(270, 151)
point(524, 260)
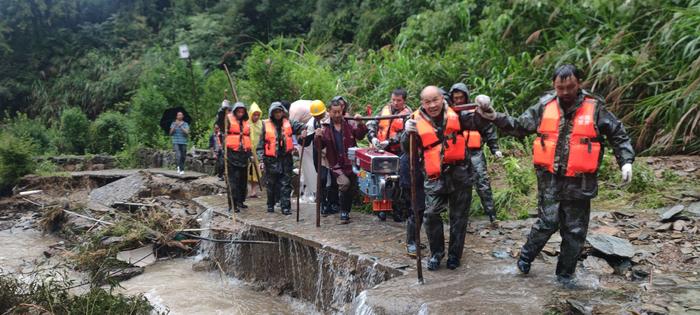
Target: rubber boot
point(434, 262)
point(523, 266)
point(344, 218)
point(452, 262)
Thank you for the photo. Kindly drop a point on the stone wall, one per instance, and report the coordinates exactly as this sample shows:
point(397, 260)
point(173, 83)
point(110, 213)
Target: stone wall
point(197, 160)
point(303, 269)
point(76, 163)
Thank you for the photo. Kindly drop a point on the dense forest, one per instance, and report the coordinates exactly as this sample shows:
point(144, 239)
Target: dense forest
point(93, 76)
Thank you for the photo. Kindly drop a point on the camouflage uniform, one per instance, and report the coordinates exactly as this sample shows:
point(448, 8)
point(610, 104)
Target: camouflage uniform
point(564, 202)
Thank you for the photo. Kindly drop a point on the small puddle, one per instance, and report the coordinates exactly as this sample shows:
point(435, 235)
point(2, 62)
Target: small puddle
point(173, 285)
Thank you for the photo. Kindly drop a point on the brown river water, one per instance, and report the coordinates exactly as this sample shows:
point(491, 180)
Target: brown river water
point(170, 285)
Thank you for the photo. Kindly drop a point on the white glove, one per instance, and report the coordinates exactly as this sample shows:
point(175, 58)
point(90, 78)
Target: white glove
point(383, 144)
point(499, 154)
point(411, 126)
point(376, 143)
point(627, 173)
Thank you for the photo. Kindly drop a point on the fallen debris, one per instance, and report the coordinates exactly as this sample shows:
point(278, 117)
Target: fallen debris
point(140, 257)
point(670, 213)
point(611, 245)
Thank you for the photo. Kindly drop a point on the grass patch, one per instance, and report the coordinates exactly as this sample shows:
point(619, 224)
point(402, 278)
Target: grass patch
point(47, 293)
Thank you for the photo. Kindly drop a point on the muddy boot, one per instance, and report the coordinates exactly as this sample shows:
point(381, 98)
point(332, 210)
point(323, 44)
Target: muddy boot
point(242, 205)
point(434, 262)
point(567, 282)
point(397, 216)
point(492, 218)
point(523, 266)
point(382, 215)
point(344, 218)
point(452, 262)
point(411, 249)
point(286, 212)
point(236, 209)
point(270, 209)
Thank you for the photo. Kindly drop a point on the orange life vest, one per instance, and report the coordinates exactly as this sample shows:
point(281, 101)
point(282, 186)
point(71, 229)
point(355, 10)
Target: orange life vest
point(386, 130)
point(271, 137)
point(584, 146)
point(473, 137)
point(237, 135)
point(436, 152)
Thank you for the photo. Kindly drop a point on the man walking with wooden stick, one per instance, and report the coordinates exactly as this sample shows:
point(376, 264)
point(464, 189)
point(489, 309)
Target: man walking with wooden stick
point(441, 143)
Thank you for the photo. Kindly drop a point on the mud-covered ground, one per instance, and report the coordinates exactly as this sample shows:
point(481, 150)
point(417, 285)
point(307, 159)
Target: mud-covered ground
point(651, 267)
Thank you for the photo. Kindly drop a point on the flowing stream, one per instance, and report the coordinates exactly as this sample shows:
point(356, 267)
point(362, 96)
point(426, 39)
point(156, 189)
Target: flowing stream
point(173, 285)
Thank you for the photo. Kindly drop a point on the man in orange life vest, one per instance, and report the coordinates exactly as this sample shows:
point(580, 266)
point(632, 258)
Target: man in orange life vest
point(460, 96)
point(384, 135)
point(441, 144)
point(570, 124)
point(275, 150)
point(238, 151)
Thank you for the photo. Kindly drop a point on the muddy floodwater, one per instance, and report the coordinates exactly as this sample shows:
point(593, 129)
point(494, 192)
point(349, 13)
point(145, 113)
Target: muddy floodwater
point(172, 285)
point(19, 248)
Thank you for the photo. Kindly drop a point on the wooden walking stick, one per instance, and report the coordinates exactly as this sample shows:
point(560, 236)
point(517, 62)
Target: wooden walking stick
point(414, 203)
point(301, 164)
point(228, 184)
point(317, 145)
point(230, 82)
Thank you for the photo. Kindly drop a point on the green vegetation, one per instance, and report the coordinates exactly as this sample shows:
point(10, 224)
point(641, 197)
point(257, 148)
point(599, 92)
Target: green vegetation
point(15, 160)
point(68, 63)
point(49, 294)
point(109, 133)
point(61, 57)
point(73, 136)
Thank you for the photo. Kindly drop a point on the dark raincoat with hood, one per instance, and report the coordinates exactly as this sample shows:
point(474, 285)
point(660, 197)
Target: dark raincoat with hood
point(237, 161)
point(451, 190)
point(278, 170)
point(480, 175)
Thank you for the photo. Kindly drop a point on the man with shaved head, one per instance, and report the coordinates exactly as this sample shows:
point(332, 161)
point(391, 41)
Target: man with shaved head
point(442, 148)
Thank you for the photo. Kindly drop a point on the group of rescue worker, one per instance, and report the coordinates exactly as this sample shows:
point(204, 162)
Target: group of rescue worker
point(448, 131)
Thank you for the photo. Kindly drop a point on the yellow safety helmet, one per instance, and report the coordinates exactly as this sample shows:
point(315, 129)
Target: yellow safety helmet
point(317, 108)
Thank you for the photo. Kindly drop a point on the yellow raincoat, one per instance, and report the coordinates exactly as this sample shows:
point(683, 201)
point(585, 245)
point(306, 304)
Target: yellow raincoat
point(255, 130)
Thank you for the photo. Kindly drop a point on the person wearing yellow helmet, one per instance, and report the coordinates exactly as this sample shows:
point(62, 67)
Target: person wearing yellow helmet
point(329, 192)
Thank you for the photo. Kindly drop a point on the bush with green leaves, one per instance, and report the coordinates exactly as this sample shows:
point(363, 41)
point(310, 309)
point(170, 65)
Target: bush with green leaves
point(109, 133)
point(49, 293)
point(147, 107)
point(34, 130)
point(15, 160)
point(74, 131)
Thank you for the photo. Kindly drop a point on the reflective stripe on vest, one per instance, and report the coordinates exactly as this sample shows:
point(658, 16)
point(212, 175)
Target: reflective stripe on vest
point(387, 131)
point(235, 134)
point(433, 154)
point(584, 147)
point(271, 137)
